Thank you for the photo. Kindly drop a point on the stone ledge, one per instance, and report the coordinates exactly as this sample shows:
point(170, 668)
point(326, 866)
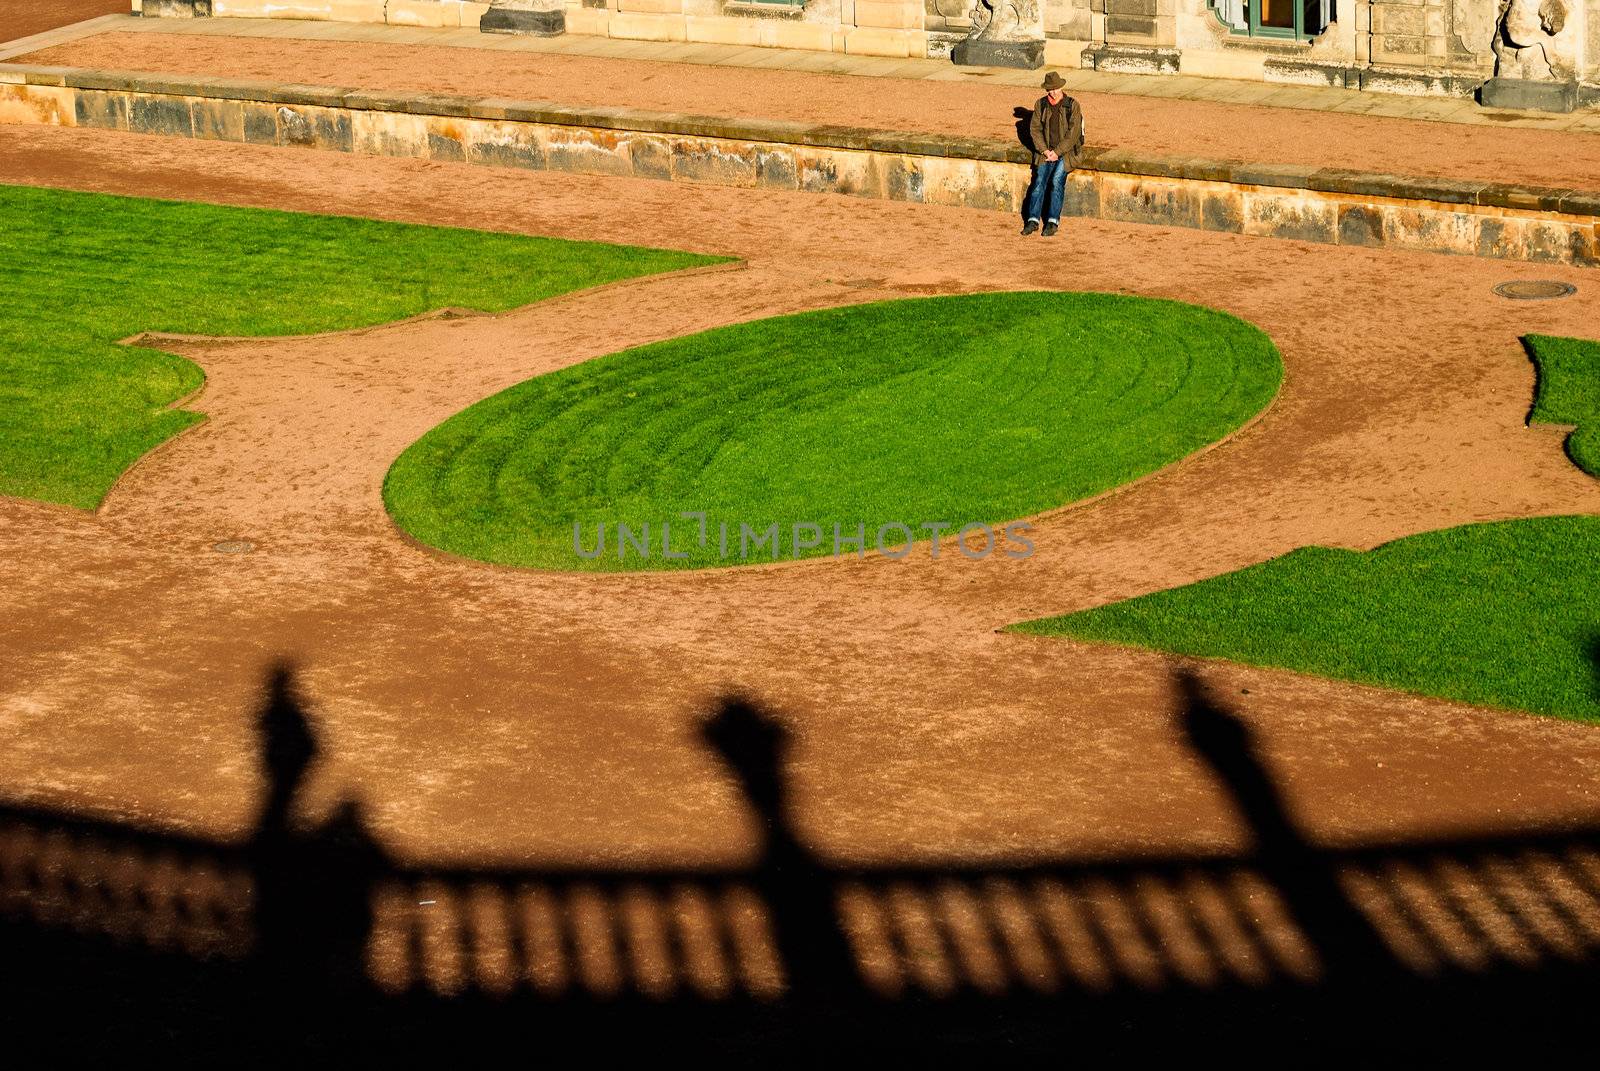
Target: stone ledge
point(1443, 191)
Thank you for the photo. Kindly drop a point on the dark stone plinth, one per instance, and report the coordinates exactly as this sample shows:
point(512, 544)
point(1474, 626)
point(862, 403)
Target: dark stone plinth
point(1526, 95)
point(978, 52)
point(534, 23)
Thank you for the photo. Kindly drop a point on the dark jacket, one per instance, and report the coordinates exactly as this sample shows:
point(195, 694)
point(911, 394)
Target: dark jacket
point(1057, 127)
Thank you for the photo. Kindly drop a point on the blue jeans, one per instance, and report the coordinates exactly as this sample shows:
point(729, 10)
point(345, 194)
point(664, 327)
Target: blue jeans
point(1046, 192)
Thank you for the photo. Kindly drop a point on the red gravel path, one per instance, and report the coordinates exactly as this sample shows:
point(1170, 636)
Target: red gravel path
point(24, 18)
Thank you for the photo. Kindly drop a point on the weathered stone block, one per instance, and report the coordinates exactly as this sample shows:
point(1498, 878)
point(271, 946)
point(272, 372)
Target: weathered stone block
point(637, 26)
point(160, 115)
point(1368, 184)
point(1547, 242)
point(889, 15)
point(656, 7)
point(175, 9)
point(260, 123)
point(1586, 246)
point(317, 96)
point(651, 156)
point(724, 31)
point(1082, 196)
point(838, 171)
point(981, 52)
point(1131, 199)
point(1360, 225)
point(27, 105)
point(1288, 176)
point(1579, 203)
point(315, 128)
point(871, 41)
point(1296, 217)
point(101, 109)
point(784, 33)
point(550, 23)
point(903, 179)
point(1303, 72)
point(506, 144)
point(389, 134)
point(586, 152)
point(1525, 95)
point(1396, 45)
point(776, 168)
point(588, 20)
point(1523, 198)
point(1135, 26)
point(45, 76)
point(446, 141)
point(969, 184)
point(217, 120)
point(1532, 239)
point(433, 14)
point(1222, 210)
point(439, 104)
point(725, 163)
point(1131, 58)
point(1393, 19)
point(1432, 230)
point(364, 100)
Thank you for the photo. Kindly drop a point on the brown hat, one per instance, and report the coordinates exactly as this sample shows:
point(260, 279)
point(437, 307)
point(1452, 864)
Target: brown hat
point(1053, 80)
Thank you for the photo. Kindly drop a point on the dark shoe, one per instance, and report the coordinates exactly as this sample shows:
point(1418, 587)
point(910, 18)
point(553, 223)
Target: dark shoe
point(1049, 229)
point(1030, 226)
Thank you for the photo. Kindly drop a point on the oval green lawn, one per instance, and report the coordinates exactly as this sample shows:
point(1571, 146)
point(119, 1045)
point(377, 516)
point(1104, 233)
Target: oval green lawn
point(979, 408)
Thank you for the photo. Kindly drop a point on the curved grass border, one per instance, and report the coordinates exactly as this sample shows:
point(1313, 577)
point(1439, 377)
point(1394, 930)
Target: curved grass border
point(1568, 393)
point(79, 410)
point(1498, 614)
point(810, 427)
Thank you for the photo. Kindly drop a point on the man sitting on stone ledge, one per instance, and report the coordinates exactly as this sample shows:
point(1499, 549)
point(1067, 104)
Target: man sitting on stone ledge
point(1056, 133)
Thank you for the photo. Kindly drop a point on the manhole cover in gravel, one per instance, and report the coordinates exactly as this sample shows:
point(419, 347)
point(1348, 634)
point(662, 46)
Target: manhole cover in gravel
point(233, 546)
point(1534, 289)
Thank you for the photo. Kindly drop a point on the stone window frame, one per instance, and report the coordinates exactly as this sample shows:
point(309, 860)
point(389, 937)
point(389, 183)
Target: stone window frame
point(1252, 29)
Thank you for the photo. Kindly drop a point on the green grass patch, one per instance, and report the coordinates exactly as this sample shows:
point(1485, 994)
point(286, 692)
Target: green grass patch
point(79, 271)
point(980, 408)
point(1501, 614)
point(1569, 393)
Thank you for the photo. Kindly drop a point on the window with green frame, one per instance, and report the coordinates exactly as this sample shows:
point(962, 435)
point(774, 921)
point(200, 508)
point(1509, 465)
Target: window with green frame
point(1294, 20)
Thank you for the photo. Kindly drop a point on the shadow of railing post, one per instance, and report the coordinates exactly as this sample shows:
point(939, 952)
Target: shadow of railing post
point(313, 888)
point(798, 889)
point(1349, 950)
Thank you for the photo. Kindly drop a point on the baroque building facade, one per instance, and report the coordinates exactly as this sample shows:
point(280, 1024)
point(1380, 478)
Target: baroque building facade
point(1537, 53)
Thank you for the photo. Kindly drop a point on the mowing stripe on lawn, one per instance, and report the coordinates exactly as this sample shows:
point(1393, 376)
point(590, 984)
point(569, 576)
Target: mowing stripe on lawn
point(979, 408)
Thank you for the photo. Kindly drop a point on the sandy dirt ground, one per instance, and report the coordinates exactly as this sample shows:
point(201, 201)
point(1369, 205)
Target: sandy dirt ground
point(24, 18)
point(487, 713)
point(1145, 124)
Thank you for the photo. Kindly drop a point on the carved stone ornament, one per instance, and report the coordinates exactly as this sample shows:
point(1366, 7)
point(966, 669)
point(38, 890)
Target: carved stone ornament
point(1520, 37)
point(1005, 33)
